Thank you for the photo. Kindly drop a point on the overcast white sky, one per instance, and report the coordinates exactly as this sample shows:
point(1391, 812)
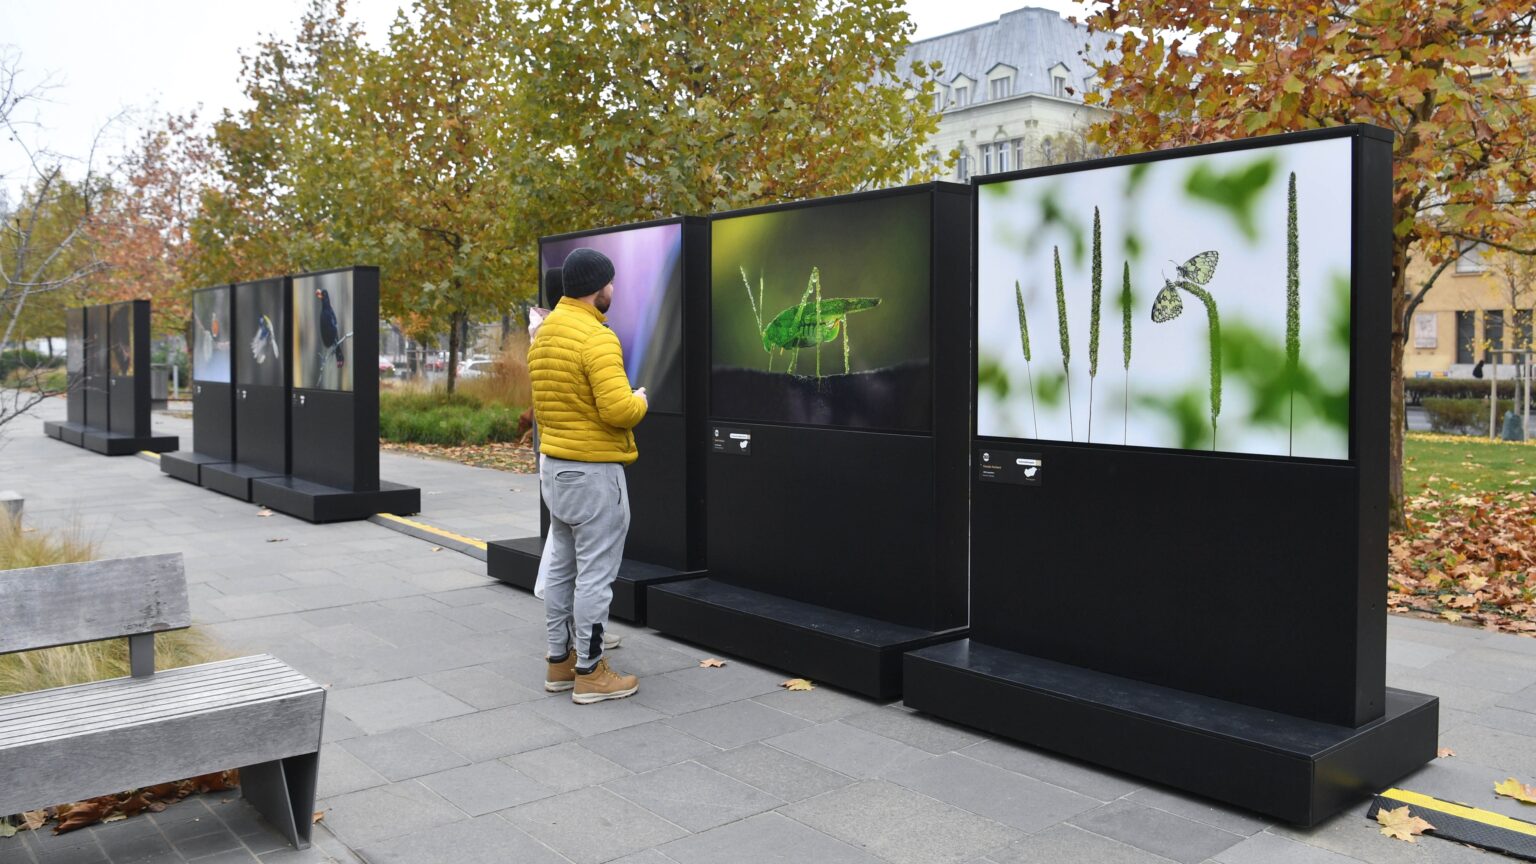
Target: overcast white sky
point(146, 56)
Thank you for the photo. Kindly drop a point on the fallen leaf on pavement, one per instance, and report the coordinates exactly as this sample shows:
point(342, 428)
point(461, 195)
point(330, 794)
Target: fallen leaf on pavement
point(1513, 788)
point(797, 684)
point(1443, 752)
point(7, 829)
point(264, 512)
point(319, 816)
point(1402, 824)
point(437, 548)
point(712, 662)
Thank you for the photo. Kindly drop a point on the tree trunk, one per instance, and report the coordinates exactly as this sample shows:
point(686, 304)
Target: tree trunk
point(1399, 409)
point(506, 328)
point(454, 346)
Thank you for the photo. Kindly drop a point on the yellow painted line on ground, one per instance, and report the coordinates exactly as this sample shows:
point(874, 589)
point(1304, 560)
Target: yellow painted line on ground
point(154, 456)
point(1487, 817)
point(430, 529)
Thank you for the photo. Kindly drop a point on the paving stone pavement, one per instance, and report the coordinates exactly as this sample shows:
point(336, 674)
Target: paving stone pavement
point(441, 746)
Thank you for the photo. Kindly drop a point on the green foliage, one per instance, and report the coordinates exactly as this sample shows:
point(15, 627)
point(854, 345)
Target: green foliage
point(1126, 303)
point(445, 419)
point(1061, 314)
point(25, 359)
point(1417, 389)
point(1235, 191)
point(1018, 297)
point(1292, 281)
point(1097, 290)
point(1213, 323)
point(1462, 416)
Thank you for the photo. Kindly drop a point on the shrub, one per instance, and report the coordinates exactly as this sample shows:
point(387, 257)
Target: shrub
point(1462, 416)
point(1415, 390)
point(26, 359)
point(416, 416)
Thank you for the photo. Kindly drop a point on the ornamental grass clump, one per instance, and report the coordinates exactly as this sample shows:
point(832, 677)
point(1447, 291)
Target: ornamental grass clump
point(1064, 339)
point(1018, 296)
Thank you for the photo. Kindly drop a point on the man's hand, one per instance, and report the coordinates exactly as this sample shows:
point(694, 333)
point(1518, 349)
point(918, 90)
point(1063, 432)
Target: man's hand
point(640, 391)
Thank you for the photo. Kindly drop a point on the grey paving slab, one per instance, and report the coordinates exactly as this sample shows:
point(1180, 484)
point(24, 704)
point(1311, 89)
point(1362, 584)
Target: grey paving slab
point(1157, 831)
point(566, 767)
point(586, 720)
point(776, 772)
point(482, 687)
point(385, 812)
point(401, 754)
point(1062, 843)
point(1012, 799)
point(485, 787)
point(767, 838)
point(485, 840)
point(1507, 751)
point(341, 772)
point(1201, 810)
point(901, 826)
point(918, 730)
point(395, 704)
point(1058, 770)
point(1264, 848)
point(736, 723)
point(693, 796)
point(498, 732)
point(592, 825)
point(849, 750)
point(647, 746)
point(1415, 654)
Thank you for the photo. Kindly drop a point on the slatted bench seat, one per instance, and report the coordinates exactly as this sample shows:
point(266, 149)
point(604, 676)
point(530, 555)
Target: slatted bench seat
point(69, 743)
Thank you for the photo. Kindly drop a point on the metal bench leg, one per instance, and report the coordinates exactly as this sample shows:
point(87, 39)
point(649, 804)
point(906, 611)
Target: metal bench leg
point(283, 791)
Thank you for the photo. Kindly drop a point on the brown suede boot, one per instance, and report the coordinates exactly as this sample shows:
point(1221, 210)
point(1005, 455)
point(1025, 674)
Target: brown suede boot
point(561, 675)
point(603, 683)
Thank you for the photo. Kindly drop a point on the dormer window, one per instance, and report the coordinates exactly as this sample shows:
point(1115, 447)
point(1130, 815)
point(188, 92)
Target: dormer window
point(1059, 81)
point(1000, 81)
point(960, 91)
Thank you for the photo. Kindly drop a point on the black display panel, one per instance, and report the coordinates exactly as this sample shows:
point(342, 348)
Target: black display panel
point(212, 335)
point(647, 305)
point(120, 339)
point(1178, 536)
point(260, 333)
point(97, 381)
point(820, 314)
point(324, 341)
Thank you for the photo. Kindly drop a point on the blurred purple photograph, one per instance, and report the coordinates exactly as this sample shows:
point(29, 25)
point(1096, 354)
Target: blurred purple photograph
point(647, 310)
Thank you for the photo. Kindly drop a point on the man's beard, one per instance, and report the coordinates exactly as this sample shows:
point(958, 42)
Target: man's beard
point(602, 302)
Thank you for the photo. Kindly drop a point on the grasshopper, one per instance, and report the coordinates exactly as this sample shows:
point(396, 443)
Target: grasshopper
point(808, 323)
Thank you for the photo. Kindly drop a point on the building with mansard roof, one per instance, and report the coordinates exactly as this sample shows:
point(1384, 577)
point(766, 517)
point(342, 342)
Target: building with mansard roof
point(1011, 91)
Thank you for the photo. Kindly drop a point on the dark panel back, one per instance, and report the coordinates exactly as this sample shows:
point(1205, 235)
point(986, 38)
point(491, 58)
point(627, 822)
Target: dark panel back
point(74, 339)
point(657, 481)
point(128, 367)
point(696, 383)
point(97, 381)
point(1253, 580)
point(827, 516)
point(213, 419)
point(261, 426)
point(335, 433)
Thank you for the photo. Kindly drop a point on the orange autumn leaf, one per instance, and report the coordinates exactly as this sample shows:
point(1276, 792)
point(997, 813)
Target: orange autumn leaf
point(1444, 752)
point(711, 663)
point(797, 684)
point(1512, 788)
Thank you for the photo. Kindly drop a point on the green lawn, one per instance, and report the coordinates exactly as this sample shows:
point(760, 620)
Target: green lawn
point(1465, 466)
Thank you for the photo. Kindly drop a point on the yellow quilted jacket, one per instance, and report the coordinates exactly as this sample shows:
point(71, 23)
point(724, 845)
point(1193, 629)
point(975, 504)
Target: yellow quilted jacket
point(582, 400)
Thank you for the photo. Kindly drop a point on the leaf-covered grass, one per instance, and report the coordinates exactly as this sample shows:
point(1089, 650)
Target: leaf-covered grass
point(26, 671)
point(1469, 551)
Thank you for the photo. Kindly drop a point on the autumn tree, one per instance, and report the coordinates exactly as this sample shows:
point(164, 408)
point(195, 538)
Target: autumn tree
point(648, 108)
point(1440, 74)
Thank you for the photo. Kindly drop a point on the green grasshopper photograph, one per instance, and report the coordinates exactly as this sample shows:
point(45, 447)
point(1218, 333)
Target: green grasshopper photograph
point(808, 324)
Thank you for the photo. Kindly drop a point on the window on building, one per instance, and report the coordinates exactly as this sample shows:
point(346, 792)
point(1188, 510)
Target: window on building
point(1473, 258)
point(963, 167)
point(1523, 330)
point(962, 95)
point(1046, 149)
point(986, 158)
point(1000, 88)
point(1004, 150)
point(1466, 335)
point(1018, 153)
point(940, 99)
point(1493, 332)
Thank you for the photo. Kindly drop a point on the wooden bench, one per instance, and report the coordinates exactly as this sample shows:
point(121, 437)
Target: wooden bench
point(71, 743)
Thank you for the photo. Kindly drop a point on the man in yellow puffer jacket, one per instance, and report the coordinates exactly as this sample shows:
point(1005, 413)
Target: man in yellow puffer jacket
point(584, 409)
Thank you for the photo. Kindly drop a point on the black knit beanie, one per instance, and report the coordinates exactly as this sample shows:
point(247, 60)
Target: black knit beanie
point(586, 272)
point(554, 286)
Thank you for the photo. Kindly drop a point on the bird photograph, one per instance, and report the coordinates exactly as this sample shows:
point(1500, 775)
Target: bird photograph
point(330, 331)
point(264, 341)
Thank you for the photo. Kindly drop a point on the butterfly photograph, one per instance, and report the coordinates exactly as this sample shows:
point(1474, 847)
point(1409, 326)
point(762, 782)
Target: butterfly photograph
point(1193, 302)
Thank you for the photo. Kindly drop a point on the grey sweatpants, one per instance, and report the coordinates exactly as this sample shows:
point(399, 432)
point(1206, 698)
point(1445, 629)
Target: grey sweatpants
point(588, 518)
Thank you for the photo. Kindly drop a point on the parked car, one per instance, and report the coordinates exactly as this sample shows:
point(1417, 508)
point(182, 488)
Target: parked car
point(476, 368)
point(386, 366)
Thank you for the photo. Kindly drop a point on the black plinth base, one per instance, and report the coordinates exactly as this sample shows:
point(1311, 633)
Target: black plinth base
point(831, 647)
point(233, 478)
point(54, 429)
point(316, 502)
point(73, 433)
point(1300, 771)
point(187, 465)
point(118, 444)
point(516, 562)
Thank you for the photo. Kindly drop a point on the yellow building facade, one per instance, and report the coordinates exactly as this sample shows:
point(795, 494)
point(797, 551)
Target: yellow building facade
point(1480, 303)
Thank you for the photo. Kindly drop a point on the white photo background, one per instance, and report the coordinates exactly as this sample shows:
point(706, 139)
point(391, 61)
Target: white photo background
point(1280, 383)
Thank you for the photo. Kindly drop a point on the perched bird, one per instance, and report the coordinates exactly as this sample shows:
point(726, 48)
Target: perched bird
point(330, 332)
point(264, 340)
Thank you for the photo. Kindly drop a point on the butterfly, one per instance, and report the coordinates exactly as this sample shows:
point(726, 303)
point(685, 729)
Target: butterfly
point(1196, 271)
